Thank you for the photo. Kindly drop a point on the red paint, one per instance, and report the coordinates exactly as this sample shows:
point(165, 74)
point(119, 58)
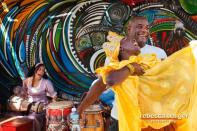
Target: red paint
point(18, 124)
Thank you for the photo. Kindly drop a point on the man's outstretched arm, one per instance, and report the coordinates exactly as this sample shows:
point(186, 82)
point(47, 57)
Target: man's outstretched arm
point(93, 94)
point(113, 78)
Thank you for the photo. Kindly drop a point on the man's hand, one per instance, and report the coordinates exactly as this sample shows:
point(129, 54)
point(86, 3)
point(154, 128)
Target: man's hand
point(138, 69)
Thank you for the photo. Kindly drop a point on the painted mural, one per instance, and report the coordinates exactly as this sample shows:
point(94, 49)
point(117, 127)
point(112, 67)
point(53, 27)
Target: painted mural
point(67, 36)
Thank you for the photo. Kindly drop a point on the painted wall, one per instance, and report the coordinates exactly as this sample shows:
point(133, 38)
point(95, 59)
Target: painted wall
point(67, 36)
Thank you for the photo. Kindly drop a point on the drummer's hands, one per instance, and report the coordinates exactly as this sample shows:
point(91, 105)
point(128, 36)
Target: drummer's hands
point(54, 99)
point(23, 95)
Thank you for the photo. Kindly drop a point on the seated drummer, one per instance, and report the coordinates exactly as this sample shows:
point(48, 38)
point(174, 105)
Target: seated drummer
point(36, 88)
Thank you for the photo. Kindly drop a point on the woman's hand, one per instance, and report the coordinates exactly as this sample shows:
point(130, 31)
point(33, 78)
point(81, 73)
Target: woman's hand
point(54, 99)
point(24, 95)
point(138, 69)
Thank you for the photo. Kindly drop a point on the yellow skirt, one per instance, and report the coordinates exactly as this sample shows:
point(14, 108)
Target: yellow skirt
point(166, 91)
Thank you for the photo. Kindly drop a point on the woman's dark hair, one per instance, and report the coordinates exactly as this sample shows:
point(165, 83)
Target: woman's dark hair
point(33, 70)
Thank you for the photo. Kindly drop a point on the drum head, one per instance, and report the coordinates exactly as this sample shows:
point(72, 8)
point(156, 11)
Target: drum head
point(93, 108)
point(14, 103)
point(17, 103)
point(60, 104)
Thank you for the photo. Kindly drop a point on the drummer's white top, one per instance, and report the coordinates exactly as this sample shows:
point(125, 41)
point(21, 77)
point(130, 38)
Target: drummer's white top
point(40, 93)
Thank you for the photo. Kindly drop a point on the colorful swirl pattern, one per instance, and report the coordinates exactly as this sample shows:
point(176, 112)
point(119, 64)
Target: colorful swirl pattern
point(67, 36)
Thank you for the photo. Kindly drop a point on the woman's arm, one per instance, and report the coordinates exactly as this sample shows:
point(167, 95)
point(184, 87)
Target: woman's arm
point(24, 88)
point(118, 76)
point(93, 94)
point(50, 90)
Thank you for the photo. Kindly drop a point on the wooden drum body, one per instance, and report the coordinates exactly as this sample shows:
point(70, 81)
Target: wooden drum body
point(92, 119)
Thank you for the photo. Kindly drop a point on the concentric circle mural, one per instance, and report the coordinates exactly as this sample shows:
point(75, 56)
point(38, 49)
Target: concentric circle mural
point(67, 36)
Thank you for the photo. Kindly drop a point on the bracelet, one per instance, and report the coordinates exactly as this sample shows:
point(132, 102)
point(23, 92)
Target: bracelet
point(131, 68)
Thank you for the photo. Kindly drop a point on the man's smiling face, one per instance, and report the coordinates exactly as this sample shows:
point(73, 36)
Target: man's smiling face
point(139, 30)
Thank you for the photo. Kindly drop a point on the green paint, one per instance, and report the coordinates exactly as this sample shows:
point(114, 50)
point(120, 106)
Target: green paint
point(190, 6)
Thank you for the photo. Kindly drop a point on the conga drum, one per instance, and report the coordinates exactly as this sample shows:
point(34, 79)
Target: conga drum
point(92, 119)
point(17, 103)
point(57, 114)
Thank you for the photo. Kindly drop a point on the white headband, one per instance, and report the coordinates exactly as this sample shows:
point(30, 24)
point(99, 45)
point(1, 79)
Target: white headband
point(38, 64)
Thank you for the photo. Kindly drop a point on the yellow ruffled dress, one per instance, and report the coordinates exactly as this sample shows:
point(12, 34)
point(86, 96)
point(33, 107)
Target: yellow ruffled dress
point(165, 94)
